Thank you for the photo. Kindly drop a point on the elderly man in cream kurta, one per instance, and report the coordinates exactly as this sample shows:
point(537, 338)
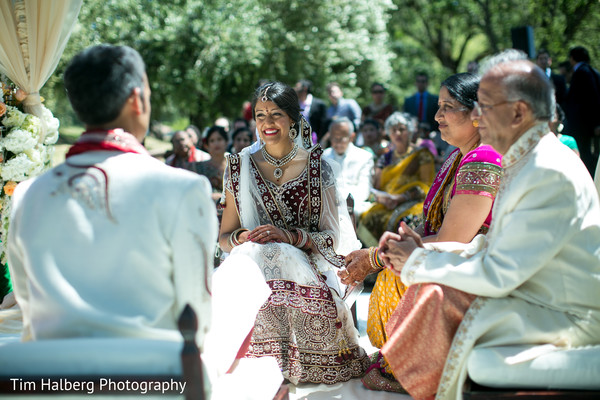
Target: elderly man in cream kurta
point(356, 164)
point(535, 277)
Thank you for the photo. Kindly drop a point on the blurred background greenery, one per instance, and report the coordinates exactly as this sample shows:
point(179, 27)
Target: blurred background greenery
point(204, 57)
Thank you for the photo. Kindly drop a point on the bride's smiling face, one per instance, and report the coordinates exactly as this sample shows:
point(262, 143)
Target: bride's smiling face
point(272, 122)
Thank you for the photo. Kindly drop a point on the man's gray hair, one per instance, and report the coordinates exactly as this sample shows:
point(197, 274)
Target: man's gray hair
point(401, 118)
point(534, 87)
point(343, 120)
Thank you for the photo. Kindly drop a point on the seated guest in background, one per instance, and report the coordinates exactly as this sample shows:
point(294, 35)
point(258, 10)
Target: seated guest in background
point(372, 138)
point(195, 135)
point(215, 142)
point(457, 207)
point(314, 109)
point(184, 154)
point(356, 163)
point(242, 137)
point(401, 181)
point(238, 123)
point(422, 139)
point(533, 279)
point(378, 109)
point(142, 230)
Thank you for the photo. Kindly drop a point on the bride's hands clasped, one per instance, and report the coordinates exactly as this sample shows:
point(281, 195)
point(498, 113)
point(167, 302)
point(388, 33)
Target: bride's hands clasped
point(267, 234)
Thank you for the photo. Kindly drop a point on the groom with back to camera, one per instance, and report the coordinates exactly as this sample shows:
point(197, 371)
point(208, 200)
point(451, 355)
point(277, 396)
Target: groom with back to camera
point(113, 242)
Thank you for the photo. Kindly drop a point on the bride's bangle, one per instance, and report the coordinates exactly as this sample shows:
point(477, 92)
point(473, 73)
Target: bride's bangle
point(233, 238)
point(289, 236)
point(303, 239)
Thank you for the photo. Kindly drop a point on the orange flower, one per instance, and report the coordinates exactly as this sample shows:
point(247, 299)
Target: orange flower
point(9, 188)
point(2, 109)
point(20, 95)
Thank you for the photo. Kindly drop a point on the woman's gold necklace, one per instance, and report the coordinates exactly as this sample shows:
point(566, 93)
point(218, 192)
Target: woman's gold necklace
point(278, 163)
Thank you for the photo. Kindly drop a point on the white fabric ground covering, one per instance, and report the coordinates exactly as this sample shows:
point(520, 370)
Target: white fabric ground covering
point(353, 389)
point(347, 391)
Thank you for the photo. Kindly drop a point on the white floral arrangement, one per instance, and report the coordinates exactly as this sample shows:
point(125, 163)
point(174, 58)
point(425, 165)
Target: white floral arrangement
point(23, 152)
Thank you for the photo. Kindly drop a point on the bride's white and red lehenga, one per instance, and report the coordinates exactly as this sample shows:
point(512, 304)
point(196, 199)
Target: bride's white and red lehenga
point(304, 323)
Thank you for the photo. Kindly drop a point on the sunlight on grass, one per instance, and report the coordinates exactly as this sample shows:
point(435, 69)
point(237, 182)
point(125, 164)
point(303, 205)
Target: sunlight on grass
point(69, 134)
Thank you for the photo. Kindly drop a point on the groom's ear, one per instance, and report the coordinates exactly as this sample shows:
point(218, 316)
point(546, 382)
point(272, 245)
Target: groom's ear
point(136, 100)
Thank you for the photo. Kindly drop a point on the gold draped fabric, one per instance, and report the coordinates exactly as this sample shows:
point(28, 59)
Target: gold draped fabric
point(388, 290)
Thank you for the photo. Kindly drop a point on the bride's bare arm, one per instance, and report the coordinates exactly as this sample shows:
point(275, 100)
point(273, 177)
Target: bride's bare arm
point(229, 223)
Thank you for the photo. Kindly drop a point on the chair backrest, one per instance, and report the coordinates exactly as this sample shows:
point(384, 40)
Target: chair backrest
point(191, 362)
point(350, 207)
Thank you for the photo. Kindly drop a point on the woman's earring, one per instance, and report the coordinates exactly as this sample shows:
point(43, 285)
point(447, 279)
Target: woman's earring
point(293, 132)
point(475, 123)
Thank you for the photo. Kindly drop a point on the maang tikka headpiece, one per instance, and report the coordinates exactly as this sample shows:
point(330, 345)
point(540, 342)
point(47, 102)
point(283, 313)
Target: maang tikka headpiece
point(264, 97)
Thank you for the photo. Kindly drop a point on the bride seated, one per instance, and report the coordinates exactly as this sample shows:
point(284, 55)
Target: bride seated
point(282, 209)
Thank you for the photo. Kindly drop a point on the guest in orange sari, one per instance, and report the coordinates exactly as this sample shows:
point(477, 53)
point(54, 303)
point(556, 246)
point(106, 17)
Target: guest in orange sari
point(401, 180)
point(457, 207)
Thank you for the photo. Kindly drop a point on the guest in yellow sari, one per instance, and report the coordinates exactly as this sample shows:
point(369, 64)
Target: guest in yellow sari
point(402, 179)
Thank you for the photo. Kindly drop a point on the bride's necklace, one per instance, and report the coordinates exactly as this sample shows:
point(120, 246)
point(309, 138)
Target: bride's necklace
point(278, 163)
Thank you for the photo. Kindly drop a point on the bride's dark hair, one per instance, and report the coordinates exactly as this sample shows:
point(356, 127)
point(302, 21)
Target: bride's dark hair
point(281, 94)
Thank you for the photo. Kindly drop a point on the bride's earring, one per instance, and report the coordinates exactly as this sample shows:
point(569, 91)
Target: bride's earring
point(293, 132)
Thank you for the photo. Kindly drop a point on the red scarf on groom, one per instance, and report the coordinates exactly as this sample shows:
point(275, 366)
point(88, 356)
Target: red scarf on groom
point(107, 140)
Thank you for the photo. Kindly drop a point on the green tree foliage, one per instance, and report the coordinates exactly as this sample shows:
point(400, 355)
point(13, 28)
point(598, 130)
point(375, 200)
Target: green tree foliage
point(205, 57)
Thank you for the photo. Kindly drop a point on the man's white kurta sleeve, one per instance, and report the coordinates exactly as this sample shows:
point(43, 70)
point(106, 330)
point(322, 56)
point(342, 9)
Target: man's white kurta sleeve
point(534, 220)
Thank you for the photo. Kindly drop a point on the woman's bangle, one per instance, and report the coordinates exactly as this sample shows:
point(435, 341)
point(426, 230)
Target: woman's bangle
point(233, 238)
point(303, 239)
point(377, 260)
point(289, 236)
point(374, 260)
